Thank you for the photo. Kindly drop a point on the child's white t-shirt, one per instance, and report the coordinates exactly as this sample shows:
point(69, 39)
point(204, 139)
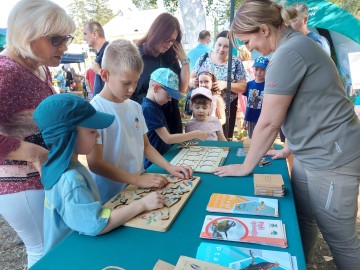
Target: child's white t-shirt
point(122, 142)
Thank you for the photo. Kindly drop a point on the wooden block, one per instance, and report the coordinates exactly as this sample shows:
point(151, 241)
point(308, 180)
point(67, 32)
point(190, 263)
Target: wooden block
point(274, 181)
point(161, 265)
point(159, 219)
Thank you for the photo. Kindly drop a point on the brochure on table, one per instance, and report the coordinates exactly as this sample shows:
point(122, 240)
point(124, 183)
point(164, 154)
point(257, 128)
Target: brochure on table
point(236, 204)
point(245, 258)
point(250, 230)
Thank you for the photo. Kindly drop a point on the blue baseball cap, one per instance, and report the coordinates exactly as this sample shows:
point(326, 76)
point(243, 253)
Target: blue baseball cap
point(169, 80)
point(261, 62)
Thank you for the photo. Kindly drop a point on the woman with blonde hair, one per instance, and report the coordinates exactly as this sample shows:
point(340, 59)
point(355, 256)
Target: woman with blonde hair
point(37, 36)
point(305, 96)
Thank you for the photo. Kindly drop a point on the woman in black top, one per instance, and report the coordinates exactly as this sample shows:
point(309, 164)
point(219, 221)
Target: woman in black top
point(161, 47)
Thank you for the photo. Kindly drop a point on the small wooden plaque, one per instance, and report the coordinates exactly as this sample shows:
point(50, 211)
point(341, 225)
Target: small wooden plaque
point(161, 265)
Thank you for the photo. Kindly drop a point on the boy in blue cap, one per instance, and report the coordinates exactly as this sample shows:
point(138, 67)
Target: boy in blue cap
point(118, 157)
point(68, 125)
point(163, 86)
point(255, 93)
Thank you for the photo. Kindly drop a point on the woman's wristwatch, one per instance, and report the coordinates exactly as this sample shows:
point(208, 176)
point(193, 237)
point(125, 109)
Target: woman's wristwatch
point(185, 61)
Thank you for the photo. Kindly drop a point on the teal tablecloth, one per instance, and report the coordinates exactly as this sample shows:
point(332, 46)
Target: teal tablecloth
point(136, 249)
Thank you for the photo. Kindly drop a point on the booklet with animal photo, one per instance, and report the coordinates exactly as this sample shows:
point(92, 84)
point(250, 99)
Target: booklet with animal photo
point(245, 258)
point(236, 204)
point(250, 230)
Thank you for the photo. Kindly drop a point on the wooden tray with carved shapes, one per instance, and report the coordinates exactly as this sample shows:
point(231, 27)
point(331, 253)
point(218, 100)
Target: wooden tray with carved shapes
point(177, 192)
point(203, 159)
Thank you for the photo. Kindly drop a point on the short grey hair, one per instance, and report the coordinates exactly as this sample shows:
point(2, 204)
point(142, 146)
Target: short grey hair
point(122, 55)
point(32, 19)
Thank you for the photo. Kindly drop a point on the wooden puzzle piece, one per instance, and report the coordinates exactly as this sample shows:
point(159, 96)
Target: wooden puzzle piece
point(167, 215)
point(180, 192)
point(166, 191)
point(174, 179)
point(174, 186)
point(188, 144)
point(145, 190)
point(170, 201)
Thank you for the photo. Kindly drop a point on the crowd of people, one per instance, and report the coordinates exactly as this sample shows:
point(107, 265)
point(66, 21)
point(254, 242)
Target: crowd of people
point(134, 118)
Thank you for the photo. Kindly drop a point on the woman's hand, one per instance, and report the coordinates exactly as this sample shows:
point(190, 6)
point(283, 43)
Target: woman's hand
point(194, 82)
point(231, 170)
point(40, 157)
point(278, 154)
point(30, 152)
point(180, 53)
point(219, 85)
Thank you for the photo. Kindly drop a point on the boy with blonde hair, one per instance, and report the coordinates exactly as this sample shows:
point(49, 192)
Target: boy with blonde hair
point(118, 158)
point(163, 86)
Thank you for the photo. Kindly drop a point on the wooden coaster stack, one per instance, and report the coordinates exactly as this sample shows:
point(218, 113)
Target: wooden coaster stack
point(269, 185)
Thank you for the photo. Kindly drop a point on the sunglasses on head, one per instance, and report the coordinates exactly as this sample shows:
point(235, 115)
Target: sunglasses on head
point(56, 41)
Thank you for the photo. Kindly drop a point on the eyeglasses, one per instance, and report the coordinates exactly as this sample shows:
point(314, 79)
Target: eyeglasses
point(56, 41)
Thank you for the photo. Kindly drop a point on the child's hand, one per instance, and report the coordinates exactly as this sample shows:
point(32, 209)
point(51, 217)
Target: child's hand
point(201, 135)
point(180, 171)
point(150, 180)
point(153, 201)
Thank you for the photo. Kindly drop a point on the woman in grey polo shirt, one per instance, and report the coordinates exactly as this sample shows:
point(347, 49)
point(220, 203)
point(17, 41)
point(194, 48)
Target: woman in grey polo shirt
point(305, 96)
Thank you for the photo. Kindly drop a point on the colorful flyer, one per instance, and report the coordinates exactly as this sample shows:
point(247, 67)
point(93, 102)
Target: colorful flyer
point(258, 231)
point(236, 204)
point(244, 258)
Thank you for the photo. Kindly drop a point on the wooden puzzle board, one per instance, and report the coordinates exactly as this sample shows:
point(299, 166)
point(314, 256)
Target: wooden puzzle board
point(176, 192)
point(201, 158)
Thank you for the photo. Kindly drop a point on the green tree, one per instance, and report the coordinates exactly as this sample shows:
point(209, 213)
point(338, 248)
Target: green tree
point(78, 12)
point(145, 4)
point(83, 11)
point(100, 11)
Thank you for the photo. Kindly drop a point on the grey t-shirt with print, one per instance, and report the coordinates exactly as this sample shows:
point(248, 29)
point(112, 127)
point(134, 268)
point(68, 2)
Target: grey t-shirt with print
point(320, 125)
